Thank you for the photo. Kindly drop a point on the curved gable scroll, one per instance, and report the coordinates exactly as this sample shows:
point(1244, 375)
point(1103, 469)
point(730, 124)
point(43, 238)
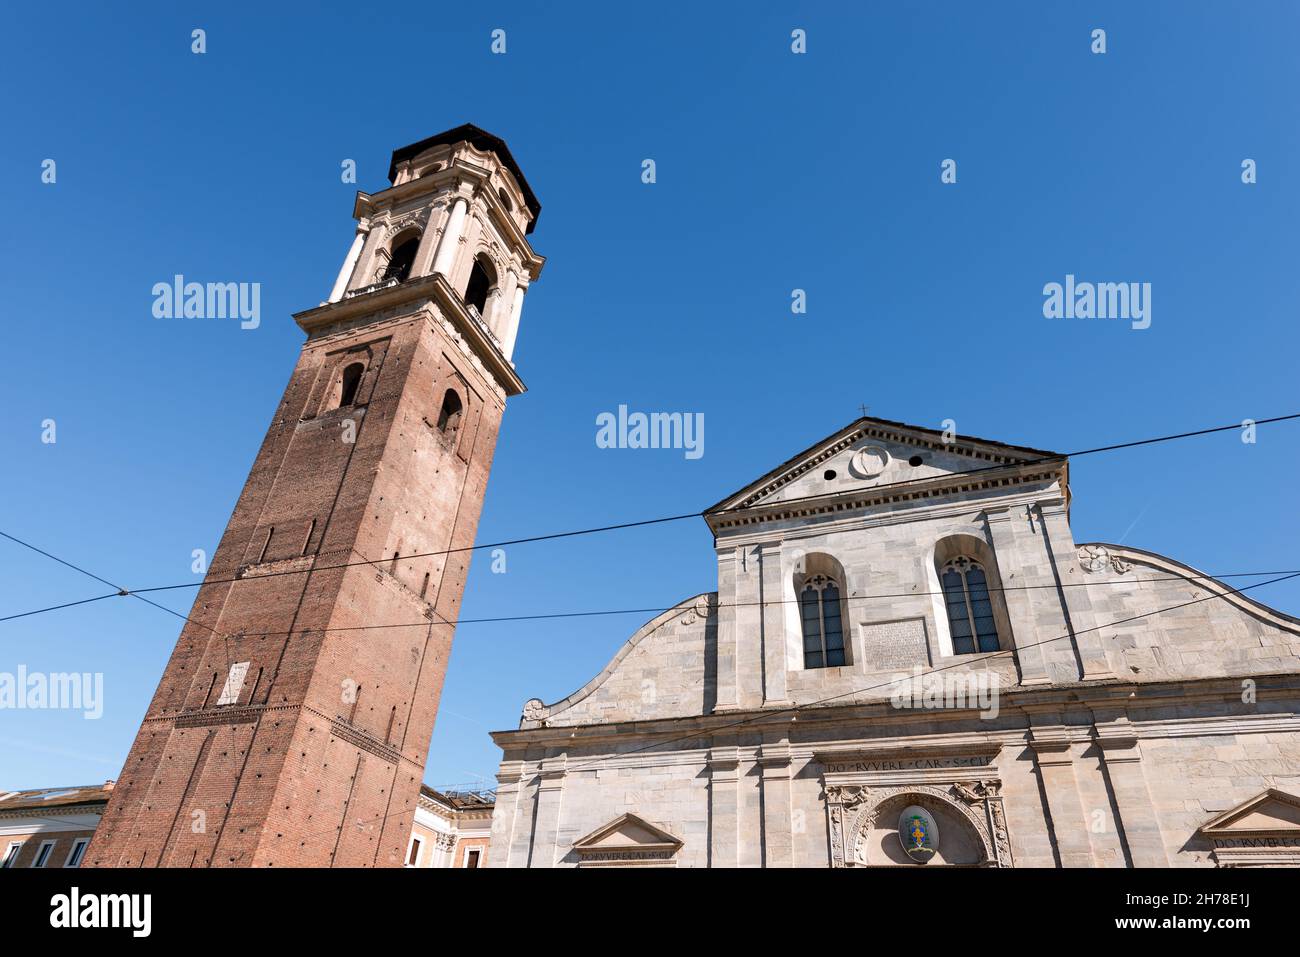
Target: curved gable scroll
point(664, 670)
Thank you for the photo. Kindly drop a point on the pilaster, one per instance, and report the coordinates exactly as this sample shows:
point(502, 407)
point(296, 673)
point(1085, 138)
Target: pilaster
point(1018, 601)
point(1089, 645)
point(724, 816)
point(1122, 755)
point(775, 762)
point(1053, 754)
point(550, 795)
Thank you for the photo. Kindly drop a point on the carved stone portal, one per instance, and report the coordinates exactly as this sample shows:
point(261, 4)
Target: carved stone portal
point(855, 809)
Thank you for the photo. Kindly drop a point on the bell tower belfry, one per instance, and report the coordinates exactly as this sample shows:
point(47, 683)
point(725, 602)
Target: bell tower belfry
point(292, 723)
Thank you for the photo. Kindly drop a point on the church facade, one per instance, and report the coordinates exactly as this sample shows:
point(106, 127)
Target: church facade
point(909, 660)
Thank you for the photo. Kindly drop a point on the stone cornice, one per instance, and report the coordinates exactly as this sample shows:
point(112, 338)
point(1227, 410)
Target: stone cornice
point(1041, 710)
point(986, 450)
point(991, 509)
point(60, 810)
point(433, 289)
point(860, 499)
point(920, 748)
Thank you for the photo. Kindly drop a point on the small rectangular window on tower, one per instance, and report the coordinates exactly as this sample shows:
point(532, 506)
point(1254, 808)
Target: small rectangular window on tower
point(234, 684)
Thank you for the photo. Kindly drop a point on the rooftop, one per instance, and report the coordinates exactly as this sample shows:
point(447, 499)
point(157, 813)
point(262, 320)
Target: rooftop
point(46, 798)
point(481, 140)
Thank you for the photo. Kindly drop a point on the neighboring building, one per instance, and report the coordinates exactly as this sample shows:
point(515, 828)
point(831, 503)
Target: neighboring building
point(1088, 705)
point(295, 714)
point(451, 830)
point(50, 827)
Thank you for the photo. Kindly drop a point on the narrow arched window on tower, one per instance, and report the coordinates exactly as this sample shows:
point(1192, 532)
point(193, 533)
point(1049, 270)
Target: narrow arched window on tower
point(481, 281)
point(402, 259)
point(823, 632)
point(350, 383)
point(970, 612)
point(449, 417)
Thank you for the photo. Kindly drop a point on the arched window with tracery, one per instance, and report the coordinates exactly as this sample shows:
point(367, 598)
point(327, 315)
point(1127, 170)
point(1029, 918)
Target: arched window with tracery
point(970, 609)
point(823, 629)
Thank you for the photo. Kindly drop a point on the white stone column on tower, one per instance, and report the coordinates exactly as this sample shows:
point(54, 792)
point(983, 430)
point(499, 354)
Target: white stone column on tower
point(424, 253)
point(505, 299)
point(349, 264)
point(446, 257)
point(512, 329)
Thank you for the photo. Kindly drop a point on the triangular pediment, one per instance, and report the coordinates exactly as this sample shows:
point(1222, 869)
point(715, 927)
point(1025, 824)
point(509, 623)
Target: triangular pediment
point(627, 833)
point(873, 453)
point(1272, 812)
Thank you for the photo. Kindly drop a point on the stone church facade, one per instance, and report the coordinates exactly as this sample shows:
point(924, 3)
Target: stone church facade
point(909, 658)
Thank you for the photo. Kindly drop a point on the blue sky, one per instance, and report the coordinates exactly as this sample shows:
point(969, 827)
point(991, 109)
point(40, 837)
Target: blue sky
point(775, 171)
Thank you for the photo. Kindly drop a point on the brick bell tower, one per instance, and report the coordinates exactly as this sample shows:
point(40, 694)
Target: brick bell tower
point(292, 723)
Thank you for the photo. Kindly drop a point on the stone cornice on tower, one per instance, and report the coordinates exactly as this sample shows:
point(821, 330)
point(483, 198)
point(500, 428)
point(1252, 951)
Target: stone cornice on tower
point(356, 310)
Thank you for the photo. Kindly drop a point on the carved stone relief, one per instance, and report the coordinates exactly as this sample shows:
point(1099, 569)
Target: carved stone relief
point(854, 810)
point(1095, 558)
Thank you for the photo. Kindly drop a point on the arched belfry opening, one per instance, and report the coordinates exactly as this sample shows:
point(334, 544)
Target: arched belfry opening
point(402, 258)
point(482, 279)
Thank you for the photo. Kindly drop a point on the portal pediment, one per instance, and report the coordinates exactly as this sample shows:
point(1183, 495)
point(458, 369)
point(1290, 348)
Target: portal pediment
point(1264, 831)
point(627, 840)
point(1273, 811)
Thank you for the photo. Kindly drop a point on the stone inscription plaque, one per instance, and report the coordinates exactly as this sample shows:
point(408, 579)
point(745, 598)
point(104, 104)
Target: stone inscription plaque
point(908, 764)
point(895, 645)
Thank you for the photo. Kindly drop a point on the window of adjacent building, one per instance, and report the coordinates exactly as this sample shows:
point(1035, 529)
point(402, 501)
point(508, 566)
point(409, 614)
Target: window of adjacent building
point(43, 853)
point(471, 858)
point(970, 610)
point(402, 259)
point(351, 383)
point(78, 851)
point(823, 630)
point(413, 856)
point(11, 854)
